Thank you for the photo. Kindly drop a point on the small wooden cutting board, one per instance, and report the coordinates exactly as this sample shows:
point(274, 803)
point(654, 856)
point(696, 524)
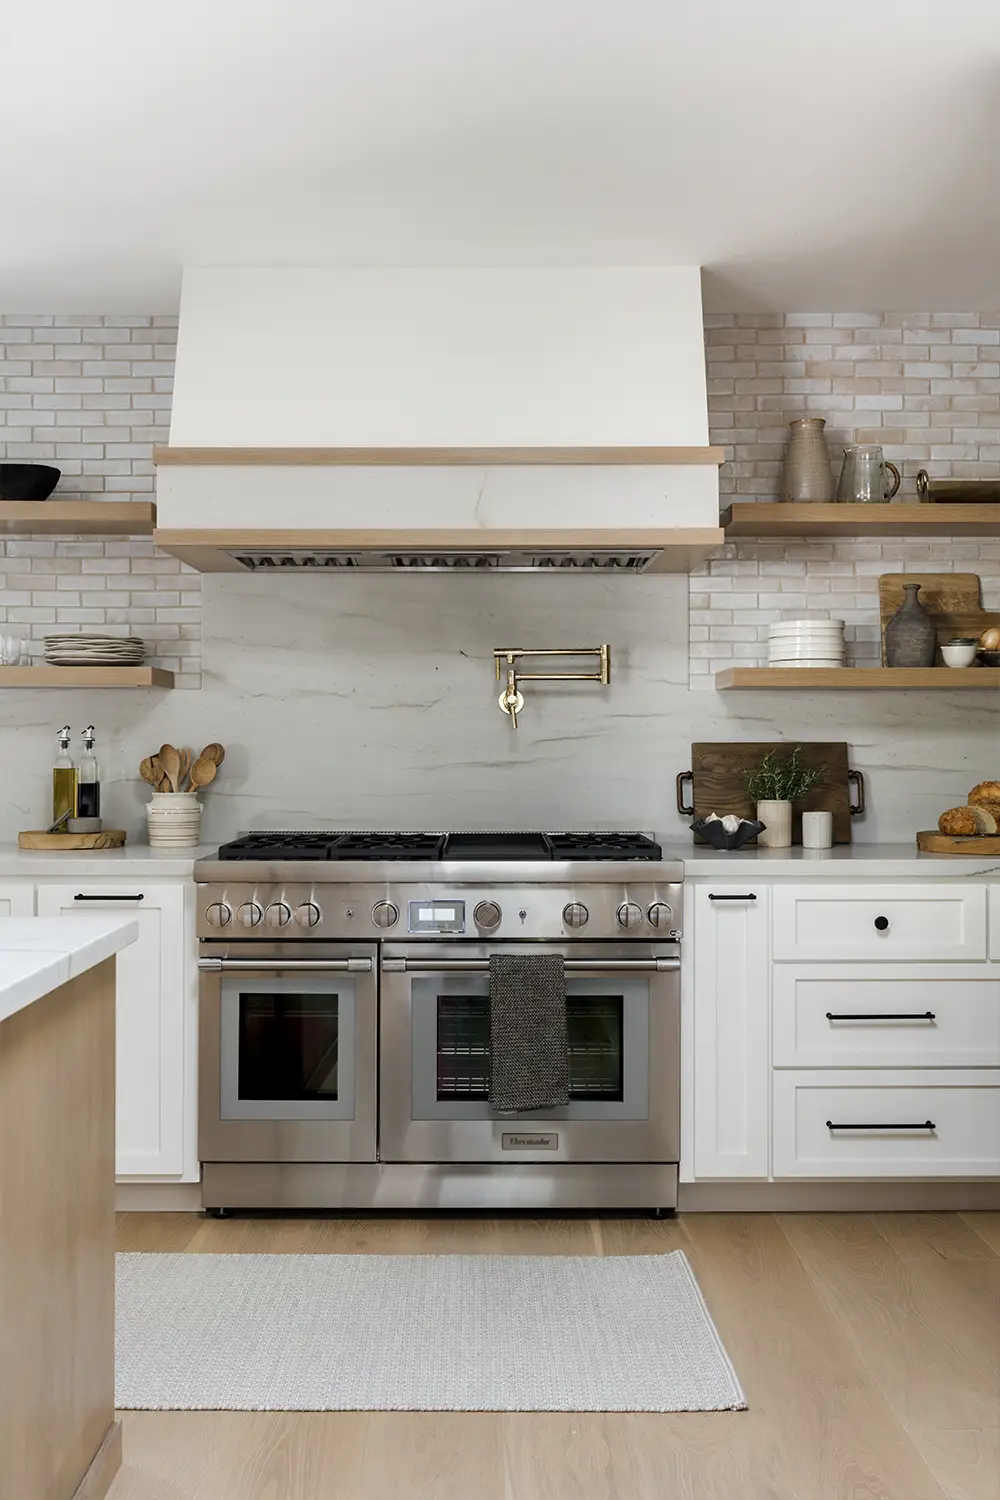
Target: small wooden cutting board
point(953, 600)
point(109, 838)
point(983, 844)
point(719, 786)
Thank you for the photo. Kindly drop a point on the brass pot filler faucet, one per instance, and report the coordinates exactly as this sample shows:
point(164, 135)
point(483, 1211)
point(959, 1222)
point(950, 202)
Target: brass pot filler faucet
point(512, 699)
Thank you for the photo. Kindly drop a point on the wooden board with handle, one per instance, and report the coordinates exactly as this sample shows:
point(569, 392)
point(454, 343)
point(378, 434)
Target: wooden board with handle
point(953, 600)
point(719, 785)
point(986, 845)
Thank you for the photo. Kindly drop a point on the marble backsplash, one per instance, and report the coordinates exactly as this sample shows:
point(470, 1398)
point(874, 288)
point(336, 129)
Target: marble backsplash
point(371, 702)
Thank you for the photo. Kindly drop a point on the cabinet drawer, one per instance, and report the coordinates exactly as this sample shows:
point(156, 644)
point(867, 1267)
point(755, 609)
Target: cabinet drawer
point(963, 1108)
point(862, 1016)
point(890, 923)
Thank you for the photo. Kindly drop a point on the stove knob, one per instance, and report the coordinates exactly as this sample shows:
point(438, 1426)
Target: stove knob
point(660, 914)
point(487, 914)
point(278, 914)
point(218, 914)
point(630, 915)
point(249, 914)
point(308, 914)
point(384, 914)
point(576, 914)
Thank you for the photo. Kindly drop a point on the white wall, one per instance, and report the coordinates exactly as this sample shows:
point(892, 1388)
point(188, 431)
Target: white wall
point(298, 358)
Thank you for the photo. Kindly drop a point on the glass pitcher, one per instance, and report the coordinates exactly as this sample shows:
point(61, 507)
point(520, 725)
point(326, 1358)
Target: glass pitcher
point(864, 478)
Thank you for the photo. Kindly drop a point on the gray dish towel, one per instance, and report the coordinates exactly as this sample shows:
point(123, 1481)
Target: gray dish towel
point(529, 1061)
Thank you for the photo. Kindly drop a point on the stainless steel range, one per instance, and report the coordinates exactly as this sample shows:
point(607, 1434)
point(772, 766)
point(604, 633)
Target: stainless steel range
point(345, 1021)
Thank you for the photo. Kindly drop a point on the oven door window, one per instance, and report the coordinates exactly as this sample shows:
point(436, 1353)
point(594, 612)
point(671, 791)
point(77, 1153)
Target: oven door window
point(287, 1047)
point(607, 1022)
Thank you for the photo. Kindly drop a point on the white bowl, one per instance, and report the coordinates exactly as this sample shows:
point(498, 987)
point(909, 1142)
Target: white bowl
point(959, 656)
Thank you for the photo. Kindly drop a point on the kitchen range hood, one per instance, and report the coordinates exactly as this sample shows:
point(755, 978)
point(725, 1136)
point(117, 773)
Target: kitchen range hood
point(335, 421)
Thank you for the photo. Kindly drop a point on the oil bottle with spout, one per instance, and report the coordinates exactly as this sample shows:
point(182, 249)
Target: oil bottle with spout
point(64, 780)
point(89, 781)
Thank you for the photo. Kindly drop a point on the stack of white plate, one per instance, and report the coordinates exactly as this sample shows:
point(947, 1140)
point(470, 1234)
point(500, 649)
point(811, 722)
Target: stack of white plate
point(85, 650)
point(805, 643)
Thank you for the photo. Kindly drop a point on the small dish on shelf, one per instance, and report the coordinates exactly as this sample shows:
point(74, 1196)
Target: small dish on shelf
point(990, 658)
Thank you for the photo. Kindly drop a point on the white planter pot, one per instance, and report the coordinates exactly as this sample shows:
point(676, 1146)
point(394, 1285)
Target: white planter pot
point(778, 817)
point(174, 819)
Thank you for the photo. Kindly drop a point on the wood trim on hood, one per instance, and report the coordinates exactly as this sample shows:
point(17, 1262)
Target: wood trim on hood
point(431, 457)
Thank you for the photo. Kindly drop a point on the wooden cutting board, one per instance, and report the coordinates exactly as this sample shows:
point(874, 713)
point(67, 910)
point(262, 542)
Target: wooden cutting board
point(718, 783)
point(983, 844)
point(110, 838)
point(953, 599)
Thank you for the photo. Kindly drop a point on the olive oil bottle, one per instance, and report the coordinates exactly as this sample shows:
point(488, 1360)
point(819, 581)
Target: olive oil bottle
point(64, 780)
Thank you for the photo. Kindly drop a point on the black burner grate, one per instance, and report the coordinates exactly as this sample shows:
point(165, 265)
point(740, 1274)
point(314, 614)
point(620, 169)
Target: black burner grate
point(469, 847)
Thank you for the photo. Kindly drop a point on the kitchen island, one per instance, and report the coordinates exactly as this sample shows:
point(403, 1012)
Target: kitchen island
point(58, 1434)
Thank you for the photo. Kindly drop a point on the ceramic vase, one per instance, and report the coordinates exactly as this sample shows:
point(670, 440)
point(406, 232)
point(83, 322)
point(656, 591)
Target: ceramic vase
point(910, 637)
point(807, 475)
point(778, 818)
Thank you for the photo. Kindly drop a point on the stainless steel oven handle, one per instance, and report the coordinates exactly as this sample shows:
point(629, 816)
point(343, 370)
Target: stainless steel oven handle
point(572, 966)
point(292, 965)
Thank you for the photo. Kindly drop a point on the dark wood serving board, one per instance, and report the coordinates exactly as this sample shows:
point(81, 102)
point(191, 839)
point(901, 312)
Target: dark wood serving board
point(718, 783)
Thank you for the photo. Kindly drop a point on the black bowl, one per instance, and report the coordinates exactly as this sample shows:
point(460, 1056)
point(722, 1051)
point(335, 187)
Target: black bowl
point(716, 835)
point(27, 481)
point(990, 658)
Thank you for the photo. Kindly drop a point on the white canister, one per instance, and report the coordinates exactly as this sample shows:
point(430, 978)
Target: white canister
point(174, 819)
point(817, 830)
point(777, 816)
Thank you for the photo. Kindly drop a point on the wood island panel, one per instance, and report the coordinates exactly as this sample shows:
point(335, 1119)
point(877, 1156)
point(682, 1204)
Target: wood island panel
point(58, 1434)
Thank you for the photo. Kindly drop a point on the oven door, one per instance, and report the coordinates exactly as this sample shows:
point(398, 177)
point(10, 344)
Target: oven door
point(288, 1046)
point(623, 1022)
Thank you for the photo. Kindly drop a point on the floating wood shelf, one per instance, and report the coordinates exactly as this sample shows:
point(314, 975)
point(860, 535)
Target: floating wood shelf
point(811, 679)
point(436, 457)
point(89, 517)
point(86, 677)
point(764, 518)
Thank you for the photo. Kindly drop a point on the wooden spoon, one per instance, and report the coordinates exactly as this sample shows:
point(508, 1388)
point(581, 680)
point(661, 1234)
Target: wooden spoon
point(171, 762)
point(202, 772)
point(150, 770)
point(214, 752)
point(185, 762)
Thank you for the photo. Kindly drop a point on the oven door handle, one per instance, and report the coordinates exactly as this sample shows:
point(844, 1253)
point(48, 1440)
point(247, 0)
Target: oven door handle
point(571, 965)
point(280, 965)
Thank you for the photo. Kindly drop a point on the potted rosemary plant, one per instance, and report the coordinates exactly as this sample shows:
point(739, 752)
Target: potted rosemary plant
point(774, 785)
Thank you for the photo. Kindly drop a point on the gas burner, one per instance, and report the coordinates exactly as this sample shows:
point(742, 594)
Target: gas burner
point(469, 848)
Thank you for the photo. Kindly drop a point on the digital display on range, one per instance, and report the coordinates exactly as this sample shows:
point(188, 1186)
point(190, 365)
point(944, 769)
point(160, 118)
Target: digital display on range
point(436, 916)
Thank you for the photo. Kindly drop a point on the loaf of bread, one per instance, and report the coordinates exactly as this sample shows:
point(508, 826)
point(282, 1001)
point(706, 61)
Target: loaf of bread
point(959, 821)
point(986, 818)
point(986, 793)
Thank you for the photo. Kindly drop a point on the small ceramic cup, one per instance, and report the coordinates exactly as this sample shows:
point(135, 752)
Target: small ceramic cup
point(817, 830)
point(959, 653)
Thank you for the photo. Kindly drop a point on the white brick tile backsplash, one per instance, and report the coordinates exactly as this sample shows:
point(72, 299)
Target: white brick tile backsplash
point(96, 390)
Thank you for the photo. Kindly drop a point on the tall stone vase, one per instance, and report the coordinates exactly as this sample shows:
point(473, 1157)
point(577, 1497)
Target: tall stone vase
point(807, 474)
point(910, 637)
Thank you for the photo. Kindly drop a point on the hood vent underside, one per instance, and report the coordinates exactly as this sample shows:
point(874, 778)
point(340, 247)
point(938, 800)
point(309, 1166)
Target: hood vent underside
point(506, 561)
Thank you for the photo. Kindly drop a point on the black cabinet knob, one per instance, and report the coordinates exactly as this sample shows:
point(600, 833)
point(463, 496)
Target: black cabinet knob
point(881, 923)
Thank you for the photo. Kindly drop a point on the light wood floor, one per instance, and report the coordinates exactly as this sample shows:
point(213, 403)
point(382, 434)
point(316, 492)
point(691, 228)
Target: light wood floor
point(868, 1346)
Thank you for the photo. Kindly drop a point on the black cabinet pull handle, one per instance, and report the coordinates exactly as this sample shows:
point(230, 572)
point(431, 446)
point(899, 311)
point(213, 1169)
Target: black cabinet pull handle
point(685, 808)
point(748, 897)
point(889, 1015)
point(881, 923)
point(107, 898)
point(885, 1125)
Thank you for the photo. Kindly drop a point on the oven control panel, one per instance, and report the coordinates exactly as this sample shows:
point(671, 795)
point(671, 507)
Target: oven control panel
point(272, 911)
point(431, 918)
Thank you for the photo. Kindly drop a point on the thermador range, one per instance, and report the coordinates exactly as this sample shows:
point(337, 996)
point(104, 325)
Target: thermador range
point(345, 1021)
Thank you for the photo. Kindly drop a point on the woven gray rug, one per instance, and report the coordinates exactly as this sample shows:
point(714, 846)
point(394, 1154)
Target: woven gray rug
point(417, 1333)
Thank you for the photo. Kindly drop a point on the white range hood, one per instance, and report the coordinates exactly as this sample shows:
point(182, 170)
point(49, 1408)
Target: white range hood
point(536, 419)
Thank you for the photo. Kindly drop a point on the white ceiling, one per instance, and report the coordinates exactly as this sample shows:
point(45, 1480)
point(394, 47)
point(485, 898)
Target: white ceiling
point(807, 156)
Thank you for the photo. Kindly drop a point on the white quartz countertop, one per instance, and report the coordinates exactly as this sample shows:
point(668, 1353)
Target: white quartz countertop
point(38, 954)
point(842, 862)
point(136, 859)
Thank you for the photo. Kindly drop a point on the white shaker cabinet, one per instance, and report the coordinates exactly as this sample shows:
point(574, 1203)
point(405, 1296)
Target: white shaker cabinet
point(17, 898)
point(730, 1018)
point(155, 1020)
